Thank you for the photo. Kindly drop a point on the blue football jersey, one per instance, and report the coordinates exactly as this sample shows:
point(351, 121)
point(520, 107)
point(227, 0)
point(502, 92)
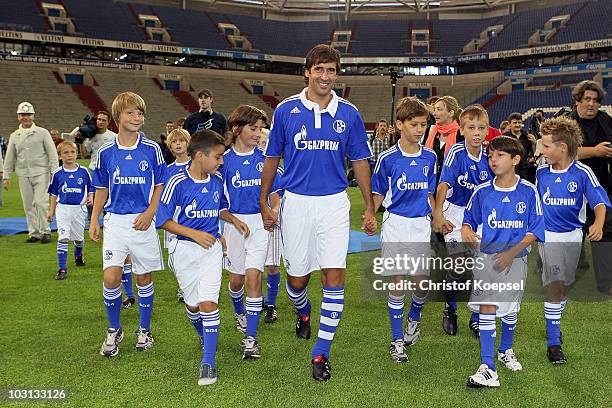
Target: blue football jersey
point(70, 186)
point(564, 195)
point(505, 214)
point(130, 174)
point(463, 173)
point(405, 180)
point(241, 174)
point(314, 143)
point(175, 167)
point(192, 203)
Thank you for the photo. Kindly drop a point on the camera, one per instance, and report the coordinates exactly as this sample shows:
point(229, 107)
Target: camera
point(87, 129)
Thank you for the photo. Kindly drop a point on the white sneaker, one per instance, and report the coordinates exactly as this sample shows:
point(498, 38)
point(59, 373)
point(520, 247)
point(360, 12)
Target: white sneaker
point(412, 332)
point(510, 360)
point(240, 322)
point(110, 347)
point(398, 352)
point(484, 377)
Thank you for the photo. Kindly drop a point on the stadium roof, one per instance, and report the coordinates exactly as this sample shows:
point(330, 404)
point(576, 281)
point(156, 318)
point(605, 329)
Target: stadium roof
point(349, 7)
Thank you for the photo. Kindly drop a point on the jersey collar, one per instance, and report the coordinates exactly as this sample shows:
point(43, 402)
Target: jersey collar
point(399, 147)
point(121, 147)
point(331, 108)
point(518, 180)
point(206, 180)
point(243, 154)
point(71, 170)
point(563, 170)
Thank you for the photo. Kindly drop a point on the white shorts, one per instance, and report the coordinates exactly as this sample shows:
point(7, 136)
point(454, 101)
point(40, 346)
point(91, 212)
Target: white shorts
point(454, 243)
point(560, 253)
point(406, 237)
point(275, 247)
point(315, 232)
point(197, 270)
point(121, 240)
point(168, 239)
point(246, 253)
point(70, 222)
point(511, 285)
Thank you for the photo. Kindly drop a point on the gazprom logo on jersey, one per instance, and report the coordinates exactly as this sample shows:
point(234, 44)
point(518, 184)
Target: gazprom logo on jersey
point(66, 189)
point(191, 211)
point(462, 180)
point(237, 182)
point(403, 185)
point(119, 179)
point(301, 143)
point(493, 222)
point(548, 200)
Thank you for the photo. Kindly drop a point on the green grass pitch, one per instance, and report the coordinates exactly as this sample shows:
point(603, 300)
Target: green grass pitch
point(51, 334)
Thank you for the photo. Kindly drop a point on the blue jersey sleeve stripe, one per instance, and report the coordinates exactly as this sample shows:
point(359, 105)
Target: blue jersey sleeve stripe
point(450, 156)
point(382, 156)
point(589, 173)
point(177, 178)
point(104, 147)
point(157, 149)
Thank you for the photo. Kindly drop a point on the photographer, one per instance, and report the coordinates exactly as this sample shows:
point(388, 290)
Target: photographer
point(91, 144)
point(596, 152)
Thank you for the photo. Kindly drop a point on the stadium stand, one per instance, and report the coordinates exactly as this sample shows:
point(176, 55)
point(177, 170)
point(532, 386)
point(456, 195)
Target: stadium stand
point(447, 36)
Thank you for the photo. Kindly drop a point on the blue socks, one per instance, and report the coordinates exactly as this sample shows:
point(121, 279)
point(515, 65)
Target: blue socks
point(552, 314)
point(196, 320)
point(253, 310)
point(272, 282)
point(396, 316)
point(507, 336)
point(210, 325)
point(78, 249)
point(237, 300)
point(62, 254)
point(300, 299)
point(416, 307)
point(145, 305)
point(112, 301)
point(486, 324)
point(331, 312)
point(126, 281)
point(474, 317)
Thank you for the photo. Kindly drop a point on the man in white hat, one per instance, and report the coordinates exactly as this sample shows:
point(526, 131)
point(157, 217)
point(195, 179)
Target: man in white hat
point(32, 155)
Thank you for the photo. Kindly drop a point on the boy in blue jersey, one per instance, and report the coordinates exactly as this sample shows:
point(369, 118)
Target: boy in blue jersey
point(70, 190)
point(314, 131)
point(178, 143)
point(190, 208)
point(565, 186)
point(465, 167)
point(405, 178)
point(129, 178)
point(505, 217)
point(247, 240)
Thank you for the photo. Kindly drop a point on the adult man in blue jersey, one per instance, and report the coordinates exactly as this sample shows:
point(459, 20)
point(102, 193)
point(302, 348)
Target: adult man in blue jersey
point(314, 131)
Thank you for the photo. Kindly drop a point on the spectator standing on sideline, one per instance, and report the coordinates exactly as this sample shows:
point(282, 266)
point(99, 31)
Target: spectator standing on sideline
point(205, 118)
point(380, 142)
point(92, 145)
point(526, 168)
point(32, 155)
point(56, 136)
point(595, 152)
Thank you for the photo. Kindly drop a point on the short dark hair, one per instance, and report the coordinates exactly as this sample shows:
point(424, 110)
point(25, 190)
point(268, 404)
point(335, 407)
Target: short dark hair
point(515, 116)
point(381, 120)
point(203, 140)
point(169, 121)
point(205, 92)
point(582, 87)
point(539, 110)
point(508, 145)
point(432, 99)
point(103, 112)
point(410, 107)
point(244, 115)
point(320, 54)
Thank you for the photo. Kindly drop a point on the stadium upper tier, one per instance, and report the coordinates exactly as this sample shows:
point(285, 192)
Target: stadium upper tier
point(392, 36)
